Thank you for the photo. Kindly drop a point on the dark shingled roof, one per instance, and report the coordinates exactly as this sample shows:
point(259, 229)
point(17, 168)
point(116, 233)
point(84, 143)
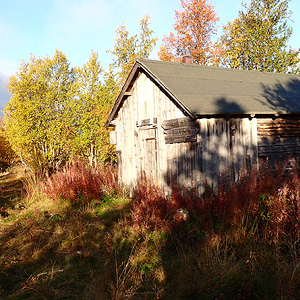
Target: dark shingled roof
point(202, 90)
point(214, 90)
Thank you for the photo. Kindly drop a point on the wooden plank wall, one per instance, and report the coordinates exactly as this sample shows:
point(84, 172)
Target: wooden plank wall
point(221, 144)
point(227, 146)
point(278, 140)
point(140, 152)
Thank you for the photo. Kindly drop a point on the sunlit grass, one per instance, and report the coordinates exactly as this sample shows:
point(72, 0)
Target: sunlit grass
point(53, 244)
point(53, 249)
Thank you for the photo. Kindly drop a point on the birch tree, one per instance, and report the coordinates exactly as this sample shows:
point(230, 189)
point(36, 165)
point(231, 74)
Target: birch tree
point(258, 38)
point(95, 92)
point(38, 117)
point(127, 49)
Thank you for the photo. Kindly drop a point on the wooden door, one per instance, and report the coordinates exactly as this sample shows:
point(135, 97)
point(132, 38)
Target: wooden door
point(148, 151)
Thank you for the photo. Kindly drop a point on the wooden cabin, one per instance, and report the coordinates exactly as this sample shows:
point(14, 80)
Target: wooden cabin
point(187, 124)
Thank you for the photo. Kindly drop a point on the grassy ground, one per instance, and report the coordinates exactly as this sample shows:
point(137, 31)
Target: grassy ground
point(50, 250)
point(55, 254)
point(11, 186)
point(117, 248)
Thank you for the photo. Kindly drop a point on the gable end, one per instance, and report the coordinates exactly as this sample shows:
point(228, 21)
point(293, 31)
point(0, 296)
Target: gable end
point(125, 92)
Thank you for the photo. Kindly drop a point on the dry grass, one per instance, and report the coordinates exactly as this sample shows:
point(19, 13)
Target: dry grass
point(55, 250)
point(51, 250)
point(11, 186)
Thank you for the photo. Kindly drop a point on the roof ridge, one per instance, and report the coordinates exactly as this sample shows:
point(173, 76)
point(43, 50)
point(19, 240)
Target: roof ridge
point(216, 67)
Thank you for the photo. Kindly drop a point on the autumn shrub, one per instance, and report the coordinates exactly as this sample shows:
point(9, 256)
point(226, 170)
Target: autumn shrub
point(273, 208)
point(150, 208)
point(153, 209)
point(265, 202)
point(282, 210)
point(79, 183)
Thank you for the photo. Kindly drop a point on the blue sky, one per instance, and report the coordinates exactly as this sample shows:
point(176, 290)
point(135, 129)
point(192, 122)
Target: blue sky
point(76, 27)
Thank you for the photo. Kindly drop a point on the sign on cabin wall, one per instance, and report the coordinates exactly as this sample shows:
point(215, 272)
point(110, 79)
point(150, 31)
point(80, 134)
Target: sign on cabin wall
point(146, 122)
point(180, 130)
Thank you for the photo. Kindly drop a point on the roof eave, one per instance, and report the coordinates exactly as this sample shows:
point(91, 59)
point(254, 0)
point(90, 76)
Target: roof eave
point(121, 95)
point(182, 107)
point(229, 115)
point(139, 65)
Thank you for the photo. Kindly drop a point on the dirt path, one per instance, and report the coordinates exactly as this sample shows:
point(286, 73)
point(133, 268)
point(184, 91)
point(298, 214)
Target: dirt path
point(11, 186)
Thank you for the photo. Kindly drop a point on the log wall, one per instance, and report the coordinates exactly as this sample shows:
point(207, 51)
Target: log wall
point(278, 140)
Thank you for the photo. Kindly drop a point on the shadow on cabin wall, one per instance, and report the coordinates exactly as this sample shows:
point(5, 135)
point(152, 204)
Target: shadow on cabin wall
point(281, 142)
point(200, 162)
point(215, 152)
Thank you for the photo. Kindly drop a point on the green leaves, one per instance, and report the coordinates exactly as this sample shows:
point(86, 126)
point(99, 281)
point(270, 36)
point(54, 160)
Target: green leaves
point(35, 119)
point(258, 38)
point(127, 49)
point(57, 112)
point(94, 97)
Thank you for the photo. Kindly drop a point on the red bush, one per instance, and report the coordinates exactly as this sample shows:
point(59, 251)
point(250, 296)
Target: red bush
point(80, 183)
point(150, 207)
point(267, 199)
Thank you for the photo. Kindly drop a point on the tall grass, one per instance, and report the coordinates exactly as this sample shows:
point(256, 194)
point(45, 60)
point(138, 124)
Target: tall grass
point(240, 242)
point(265, 201)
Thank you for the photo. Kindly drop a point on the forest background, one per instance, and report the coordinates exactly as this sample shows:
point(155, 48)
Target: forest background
point(56, 111)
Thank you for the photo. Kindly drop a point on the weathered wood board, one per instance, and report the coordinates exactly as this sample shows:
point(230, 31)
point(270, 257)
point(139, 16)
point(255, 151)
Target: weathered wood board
point(155, 138)
point(178, 123)
point(181, 130)
point(278, 140)
point(146, 122)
